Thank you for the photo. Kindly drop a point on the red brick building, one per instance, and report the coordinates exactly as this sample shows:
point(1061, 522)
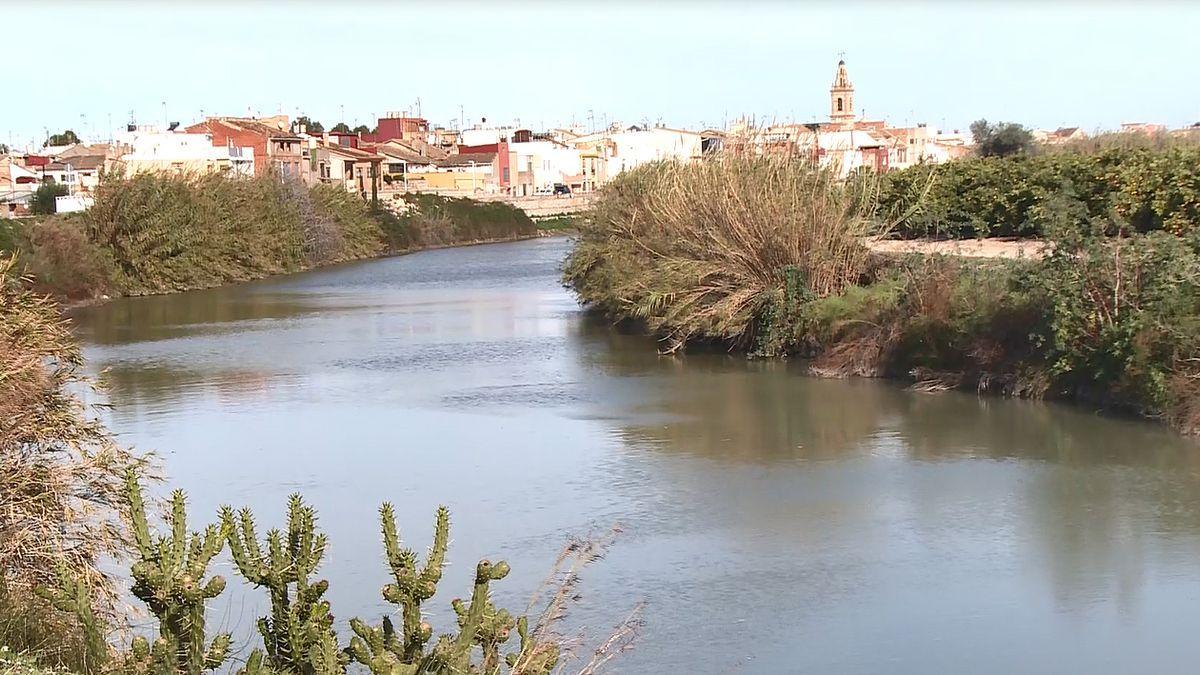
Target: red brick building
point(275, 147)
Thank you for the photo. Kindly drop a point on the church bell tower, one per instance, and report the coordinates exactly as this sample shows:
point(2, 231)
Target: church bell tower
point(841, 96)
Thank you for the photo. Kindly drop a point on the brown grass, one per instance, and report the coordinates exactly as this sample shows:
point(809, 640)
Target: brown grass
point(700, 248)
point(60, 472)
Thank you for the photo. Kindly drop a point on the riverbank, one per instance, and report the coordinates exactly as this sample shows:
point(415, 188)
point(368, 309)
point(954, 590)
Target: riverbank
point(152, 234)
point(768, 257)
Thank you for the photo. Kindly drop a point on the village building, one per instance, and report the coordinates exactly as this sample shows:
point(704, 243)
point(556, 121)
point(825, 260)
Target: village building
point(624, 150)
point(355, 170)
point(273, 145)
point(149, 149)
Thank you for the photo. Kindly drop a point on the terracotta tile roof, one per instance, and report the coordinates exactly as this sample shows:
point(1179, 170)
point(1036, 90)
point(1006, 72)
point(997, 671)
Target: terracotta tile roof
point(467, 158)
point(78, 163)
point(355, 153)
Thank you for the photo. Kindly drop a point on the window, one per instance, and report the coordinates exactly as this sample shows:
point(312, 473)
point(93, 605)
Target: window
point(839, 104)
point(395, 167)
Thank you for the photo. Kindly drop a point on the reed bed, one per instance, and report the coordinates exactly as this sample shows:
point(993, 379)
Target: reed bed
point(702, 249)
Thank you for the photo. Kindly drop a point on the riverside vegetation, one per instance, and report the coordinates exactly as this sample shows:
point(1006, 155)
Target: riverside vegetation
point(767, 255)
point(152, 233)
point(70, 500)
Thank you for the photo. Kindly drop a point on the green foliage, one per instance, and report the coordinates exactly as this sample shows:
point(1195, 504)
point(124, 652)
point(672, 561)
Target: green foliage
point(698, 250)
point(341, 127)
point(1001, 139)
point(1148, 188)
point(298, 635)
point(434, 220)
point(1125, 314)
point(361, 129)
point(311, 125)
point(72, 596)
point(169, 577)
point(42, 203)
point(169, 233)
point(560, 223)
point(62, 260)
point(67, 137)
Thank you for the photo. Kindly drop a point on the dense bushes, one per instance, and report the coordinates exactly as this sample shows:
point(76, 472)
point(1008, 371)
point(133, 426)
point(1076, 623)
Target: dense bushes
point(697, 250)
point(434, 220)
point(157, 233)
point(1112, 320)
point(1149, 188)
point(44, 201)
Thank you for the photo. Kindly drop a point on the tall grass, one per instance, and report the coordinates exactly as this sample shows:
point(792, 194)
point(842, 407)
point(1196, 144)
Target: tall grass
point(60, 471)
point(703, 249)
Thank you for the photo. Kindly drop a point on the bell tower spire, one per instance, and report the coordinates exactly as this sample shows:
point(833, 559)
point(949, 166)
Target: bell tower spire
point(841, 96)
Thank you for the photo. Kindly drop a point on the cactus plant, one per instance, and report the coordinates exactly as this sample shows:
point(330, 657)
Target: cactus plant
point(168, 577)
point(412, 586)
point(386, 652)
point(72, 595)
point(298, 635)
point(478, 623)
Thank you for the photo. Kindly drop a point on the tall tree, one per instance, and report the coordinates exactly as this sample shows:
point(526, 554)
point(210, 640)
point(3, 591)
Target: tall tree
point(1001, 139)
point(311, 125)
point(341, 127)
point(65, 138)
point(362, 129)
point(43, 203)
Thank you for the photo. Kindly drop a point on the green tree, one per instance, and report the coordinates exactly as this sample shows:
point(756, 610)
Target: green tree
point(341, 127)
point(42, 201)
point(362, 129)
point(65, 138)
point(1001, 139)
point(313, 126)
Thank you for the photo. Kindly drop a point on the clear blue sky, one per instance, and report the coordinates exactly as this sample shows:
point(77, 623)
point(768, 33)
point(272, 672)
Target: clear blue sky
point(1086, 64)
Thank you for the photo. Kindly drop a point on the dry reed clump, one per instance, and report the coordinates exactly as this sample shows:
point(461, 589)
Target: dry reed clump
point(700, 249)
point(60, 472)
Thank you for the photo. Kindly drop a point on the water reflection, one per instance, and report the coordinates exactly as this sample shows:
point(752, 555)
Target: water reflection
point(776, 523)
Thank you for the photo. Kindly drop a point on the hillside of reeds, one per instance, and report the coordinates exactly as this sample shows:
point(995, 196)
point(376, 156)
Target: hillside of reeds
point(157, 233)
point(766, 256)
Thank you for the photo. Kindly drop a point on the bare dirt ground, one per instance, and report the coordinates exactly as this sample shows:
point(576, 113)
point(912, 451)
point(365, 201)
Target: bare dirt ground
point(999, 247)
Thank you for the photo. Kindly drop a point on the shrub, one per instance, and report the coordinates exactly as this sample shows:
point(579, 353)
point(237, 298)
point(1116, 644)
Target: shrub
point(442, 220)
point(1150, 188)
point(43, 203)
point(703, 249)
point(64, 262)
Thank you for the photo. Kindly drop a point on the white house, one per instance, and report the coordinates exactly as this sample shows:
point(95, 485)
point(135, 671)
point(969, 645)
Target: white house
point(629, 149)
point(149, 149)
point(542, 164)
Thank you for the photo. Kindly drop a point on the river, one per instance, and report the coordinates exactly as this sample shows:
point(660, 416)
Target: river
point(772, 522)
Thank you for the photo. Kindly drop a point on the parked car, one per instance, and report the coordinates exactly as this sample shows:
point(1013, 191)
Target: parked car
point(561, 189)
